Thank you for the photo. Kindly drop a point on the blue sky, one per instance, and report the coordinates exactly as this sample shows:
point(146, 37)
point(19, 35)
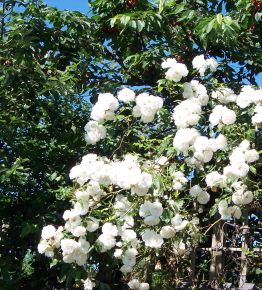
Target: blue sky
point(80, 5)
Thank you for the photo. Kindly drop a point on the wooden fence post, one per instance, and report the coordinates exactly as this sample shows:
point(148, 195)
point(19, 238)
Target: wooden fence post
point(193, 265)
point(245, 233)
point(217, 254)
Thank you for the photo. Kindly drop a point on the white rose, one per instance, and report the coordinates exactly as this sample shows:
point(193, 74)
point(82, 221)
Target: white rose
point(109, 229)
point(48, 232)
point(126, 95)
point(167, 232)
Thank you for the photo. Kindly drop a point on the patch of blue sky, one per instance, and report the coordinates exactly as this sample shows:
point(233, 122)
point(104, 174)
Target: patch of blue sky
point(78, 5)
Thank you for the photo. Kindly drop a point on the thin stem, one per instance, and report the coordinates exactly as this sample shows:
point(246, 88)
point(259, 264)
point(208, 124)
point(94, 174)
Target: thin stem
point(217, 221)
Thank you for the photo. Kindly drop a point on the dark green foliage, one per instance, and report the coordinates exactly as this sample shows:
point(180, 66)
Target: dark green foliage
point(43, 113)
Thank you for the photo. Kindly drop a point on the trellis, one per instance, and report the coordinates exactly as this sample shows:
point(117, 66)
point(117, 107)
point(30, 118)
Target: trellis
point(218, 249)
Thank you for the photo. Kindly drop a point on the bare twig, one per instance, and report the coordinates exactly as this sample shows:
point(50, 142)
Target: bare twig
point(209, 228)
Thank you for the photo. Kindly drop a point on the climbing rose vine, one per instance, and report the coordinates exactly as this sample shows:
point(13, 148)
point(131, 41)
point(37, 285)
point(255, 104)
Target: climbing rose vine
point(176, 165)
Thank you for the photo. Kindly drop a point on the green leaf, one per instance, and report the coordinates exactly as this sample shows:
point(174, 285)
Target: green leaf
point(53, 263)
point(179, 8)
point(228, 20)
point(125, 19)
point(210, 25)
point(213, 210)
point(219, 18)
point(258, 16)
point(113, 21)
point(28, 229)
point(161, 5)
point(253, 169)
point(28, 260)
point(133, 24)
point(159, 89)
point(53, 176)
point(140, 25)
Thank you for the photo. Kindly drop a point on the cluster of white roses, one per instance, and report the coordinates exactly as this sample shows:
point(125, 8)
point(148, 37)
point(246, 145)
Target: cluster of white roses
point(247, 97)
point(107, 239)
point(196, 91)
point(50, 240)
point(189, 140)
point(224, 95)
point(227, 212)
point(176, 70)
point(241, 196)
point(136, 285)
point(91, 174)
point(201, 64)
point(240, 157)
point(126, 174)
point(179, 180)
point(151, 211)
point(128, 241)
point(146, 106)
point(250, 96)
point(136, 210)
point(238, 168)
point(188, 112)
point(202, 196)
point(103, 110)
point(221, 115)
point(75, 251)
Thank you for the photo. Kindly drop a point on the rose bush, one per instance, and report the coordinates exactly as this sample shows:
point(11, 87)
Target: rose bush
point(178, 167)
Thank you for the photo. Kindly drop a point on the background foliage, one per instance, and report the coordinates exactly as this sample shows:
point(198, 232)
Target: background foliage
point(52, 62)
